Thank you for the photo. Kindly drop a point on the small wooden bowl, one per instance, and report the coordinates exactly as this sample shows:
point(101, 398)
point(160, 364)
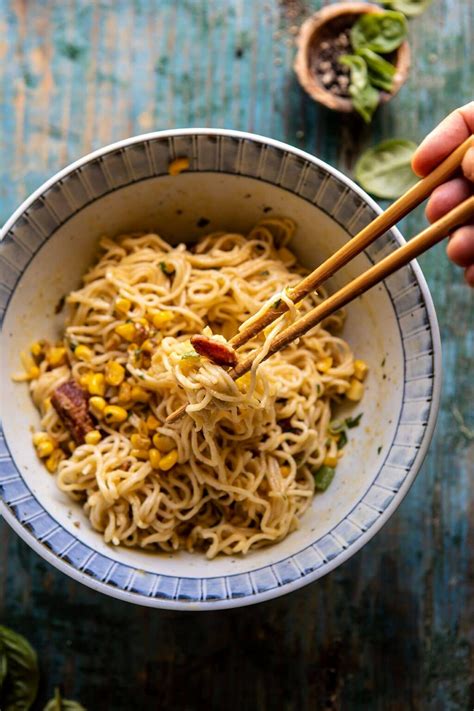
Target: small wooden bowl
point(324, 25)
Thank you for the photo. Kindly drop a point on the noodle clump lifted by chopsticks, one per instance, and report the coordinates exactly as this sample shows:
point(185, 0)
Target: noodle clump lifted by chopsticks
point(237, 471)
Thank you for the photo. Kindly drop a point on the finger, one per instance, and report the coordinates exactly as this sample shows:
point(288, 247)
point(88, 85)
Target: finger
point(460, 247)
point(469, 275)
point(447, 196)
point(468, 165)
point(438, 144)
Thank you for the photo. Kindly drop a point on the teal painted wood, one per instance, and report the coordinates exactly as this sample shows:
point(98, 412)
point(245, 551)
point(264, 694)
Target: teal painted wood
point(394, 627)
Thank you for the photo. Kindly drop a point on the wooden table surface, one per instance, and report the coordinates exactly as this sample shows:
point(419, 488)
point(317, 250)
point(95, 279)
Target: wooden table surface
point(394, 627)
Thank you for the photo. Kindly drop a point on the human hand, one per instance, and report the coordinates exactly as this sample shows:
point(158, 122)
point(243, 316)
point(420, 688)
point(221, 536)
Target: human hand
point(455, 128)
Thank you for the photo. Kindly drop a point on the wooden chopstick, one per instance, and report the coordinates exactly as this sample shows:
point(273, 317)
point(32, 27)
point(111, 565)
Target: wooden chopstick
point(400, 258)
point(401, 207)
point(380, 271)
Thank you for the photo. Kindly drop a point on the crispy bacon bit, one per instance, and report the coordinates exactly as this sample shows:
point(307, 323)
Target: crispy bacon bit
point(219, 353)
point(71, 403)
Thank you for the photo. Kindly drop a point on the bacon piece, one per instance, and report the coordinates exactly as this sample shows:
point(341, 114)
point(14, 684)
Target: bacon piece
point(71, 403)
point(219, 353)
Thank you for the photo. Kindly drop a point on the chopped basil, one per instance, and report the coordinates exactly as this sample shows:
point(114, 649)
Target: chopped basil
point(353, 421)
point(342, 441)
point(166, 269)
point(323, 477)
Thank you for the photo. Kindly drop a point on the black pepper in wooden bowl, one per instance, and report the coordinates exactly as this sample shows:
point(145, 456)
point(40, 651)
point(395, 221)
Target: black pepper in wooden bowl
point(322, 40)
point(333, 75)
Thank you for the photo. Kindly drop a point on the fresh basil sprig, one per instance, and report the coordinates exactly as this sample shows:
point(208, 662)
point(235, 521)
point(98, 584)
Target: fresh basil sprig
point(381, 32)
point(410, 8)
point(365, 97)
point(19, 673)
point(380, 71)
point(385, 170)
point(60, 704)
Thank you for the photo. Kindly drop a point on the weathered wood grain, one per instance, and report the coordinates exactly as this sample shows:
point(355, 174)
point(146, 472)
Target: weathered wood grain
point(392, 629)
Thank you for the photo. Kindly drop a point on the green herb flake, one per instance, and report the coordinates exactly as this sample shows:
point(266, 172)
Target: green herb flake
point(385, 170)
point(379, 449)
point(277, 304)
point(342, 441)
point(323, 477)
point(166, 269)
point(353, 421)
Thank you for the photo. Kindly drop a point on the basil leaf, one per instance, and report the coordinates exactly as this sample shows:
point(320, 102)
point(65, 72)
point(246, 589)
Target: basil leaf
point(342, 441)
point(364, 97)
point(380, 32)
point(358, 67)
point(3, 664)
point(410, 8)
point(323, 477)
point(20, 683)
point(365, 101)
point(60, 704)
point(353, 421)
point(385, 170)
point(381, 72)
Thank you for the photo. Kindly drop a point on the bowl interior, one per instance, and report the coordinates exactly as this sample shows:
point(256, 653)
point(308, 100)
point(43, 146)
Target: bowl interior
point(233, 180)
point(173, 207)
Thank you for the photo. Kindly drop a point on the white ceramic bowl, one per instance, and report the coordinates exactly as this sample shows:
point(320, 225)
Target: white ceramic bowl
point(234, 178)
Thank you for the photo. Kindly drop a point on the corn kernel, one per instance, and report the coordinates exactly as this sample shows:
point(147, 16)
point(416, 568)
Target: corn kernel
point(97, 405)
point(163, 443)
point(139, 394)
point(161, 318)
point(243, 383)
point(148, 346)
point(178, 165)
point(39, 437)
point(83, 352)
point(85, 378)
point(169, 460)
point(36, 349)
point(114, 413)
point(140, 442)
point(139, 453)
point(330, 461)
point(285, 471)
point(57, 356)
point(114, 373)
point(97, 384)
point(151, 422)
point(324, 364)
point(47, 404)
point(125, 393)
point(360, 369)
point(154, 456)
point(356, 390)
point(53, 461)
point(126, 331)
point(122, 306)
point(33, 372)
point(44, 449)
point(93, 437)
